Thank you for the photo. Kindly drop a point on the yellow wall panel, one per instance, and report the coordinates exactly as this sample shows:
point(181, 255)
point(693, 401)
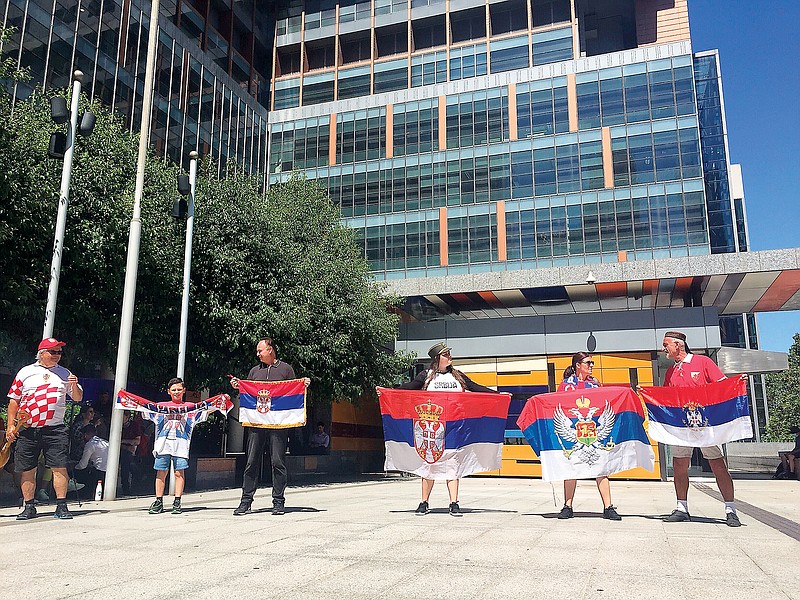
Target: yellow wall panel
point(535, 378)
point(487, 379)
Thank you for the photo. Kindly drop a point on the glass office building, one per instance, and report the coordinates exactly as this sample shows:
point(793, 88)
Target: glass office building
point(213, 67)
point(481, 142)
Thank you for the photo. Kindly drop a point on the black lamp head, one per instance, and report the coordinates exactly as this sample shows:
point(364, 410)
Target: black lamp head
point(183, 185)
point(180, 209)
point(58, 110)
point(58, 145)
point(87, 124)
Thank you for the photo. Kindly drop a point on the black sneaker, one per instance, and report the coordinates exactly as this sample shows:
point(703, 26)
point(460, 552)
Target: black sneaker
point(610, 513)
point(176, 506)
point(566, 512)
point(278, 508)
point(676, 516)
point(62, 512)
point(29, 512)
point(455, 510)
point(731, 520)
point(242, 509)
point(422, 509)
point(157, 507)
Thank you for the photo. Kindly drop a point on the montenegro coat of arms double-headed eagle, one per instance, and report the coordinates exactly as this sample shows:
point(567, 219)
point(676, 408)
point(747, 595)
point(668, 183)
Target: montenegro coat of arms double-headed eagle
point(587, 435)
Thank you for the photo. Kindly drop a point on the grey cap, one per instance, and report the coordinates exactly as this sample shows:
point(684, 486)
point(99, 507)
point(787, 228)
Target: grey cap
point(437, 349)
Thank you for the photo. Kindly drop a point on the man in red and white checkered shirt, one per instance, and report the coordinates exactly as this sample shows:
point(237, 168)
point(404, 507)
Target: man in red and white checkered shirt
point(41, 390)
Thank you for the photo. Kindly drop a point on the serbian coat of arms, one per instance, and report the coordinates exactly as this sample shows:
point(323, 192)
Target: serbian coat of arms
point(263, 401)
point(693, 416)
point(429, 432)
point(588, 434)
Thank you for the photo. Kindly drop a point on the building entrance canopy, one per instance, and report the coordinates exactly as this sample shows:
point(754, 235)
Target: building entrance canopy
point(744, 282)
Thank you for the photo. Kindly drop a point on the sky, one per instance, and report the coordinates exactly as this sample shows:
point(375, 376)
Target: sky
point(759, 54)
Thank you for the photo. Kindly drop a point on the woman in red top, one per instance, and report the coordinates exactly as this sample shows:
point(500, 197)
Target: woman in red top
point(578, 376)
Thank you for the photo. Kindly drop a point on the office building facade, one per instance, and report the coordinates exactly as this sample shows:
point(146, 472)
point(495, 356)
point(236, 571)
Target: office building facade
point(213, 67)
point(534, 177)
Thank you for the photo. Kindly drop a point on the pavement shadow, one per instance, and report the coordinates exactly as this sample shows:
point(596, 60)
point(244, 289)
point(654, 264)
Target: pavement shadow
point(446, 511)
point(40, 514)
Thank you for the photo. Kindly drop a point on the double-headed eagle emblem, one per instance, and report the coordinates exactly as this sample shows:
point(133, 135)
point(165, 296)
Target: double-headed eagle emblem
point(587, 434)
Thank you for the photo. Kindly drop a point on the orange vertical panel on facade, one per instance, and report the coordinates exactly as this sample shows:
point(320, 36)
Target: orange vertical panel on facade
point(501, 229)
point(442, 230)
point(332, 141)
point(572, 101)
point(608, 158)
point(512, 112)
point(389, 129)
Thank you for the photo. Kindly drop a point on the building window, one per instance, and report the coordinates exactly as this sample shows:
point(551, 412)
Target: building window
point(509, 54)
point(467, 61)
point(390, 76)
point(428, 69)
point(468, 25)
point(552, 46)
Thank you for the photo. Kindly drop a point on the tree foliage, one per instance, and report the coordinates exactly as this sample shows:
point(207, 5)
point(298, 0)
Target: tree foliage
point(783, 393)
point(279, 265)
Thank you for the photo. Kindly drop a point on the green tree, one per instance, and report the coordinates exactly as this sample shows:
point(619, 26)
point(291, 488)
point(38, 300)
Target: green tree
point(286, 267)
point(280, 265)
point(783, 393)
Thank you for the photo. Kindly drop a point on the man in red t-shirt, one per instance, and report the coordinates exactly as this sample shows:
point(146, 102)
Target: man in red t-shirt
point(695, 370)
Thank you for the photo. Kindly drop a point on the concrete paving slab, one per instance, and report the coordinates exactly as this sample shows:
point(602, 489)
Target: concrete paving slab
point(363, 541)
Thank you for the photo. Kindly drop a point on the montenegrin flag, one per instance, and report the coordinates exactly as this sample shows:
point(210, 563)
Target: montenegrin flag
point(272, 404)
point(443, 435)
point(708, 415)
point(587, 433)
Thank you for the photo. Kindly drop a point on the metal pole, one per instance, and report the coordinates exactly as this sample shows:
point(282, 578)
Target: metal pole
point(187, 272)
point(132, 267)
point(187, 265)
point(63, 202)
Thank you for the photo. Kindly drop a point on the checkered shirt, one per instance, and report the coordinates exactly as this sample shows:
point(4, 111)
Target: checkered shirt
point(42, 393)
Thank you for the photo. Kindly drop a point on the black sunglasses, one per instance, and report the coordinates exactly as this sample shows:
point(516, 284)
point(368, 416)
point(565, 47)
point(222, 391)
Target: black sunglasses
point(56, 351)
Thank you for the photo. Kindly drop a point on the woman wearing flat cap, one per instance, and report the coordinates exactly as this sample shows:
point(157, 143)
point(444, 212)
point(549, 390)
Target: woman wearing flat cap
point(441, 376)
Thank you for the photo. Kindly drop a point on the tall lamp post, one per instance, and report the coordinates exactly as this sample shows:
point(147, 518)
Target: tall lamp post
point(181, 210)
point(187, 262)
point(132, 267)
point(63, 146)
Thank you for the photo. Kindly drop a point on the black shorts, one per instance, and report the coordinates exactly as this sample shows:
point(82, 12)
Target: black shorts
point(53, 440)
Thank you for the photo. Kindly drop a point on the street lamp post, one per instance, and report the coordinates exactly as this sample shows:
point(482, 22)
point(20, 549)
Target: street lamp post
point(63, 202)
point(132, 267)
point(187, 265)
point(187, 272)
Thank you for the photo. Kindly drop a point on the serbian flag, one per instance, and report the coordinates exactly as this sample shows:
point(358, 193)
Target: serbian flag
point(128, 401)
point(707, 415)
point(587, 433)
point(443, 435)
point(272, 404)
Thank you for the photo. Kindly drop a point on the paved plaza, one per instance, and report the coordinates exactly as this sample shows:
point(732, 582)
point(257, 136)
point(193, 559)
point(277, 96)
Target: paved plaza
point(362, 540)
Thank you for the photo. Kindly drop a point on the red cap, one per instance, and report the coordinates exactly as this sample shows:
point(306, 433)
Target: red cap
point(50, 343)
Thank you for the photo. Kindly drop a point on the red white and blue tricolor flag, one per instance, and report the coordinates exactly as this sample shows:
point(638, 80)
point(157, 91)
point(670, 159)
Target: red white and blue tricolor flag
point(707, 415)
point(443, 435)
point(587, 433)
point(272, 404)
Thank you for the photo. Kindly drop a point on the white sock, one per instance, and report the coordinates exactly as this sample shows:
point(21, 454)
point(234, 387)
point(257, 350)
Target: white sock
point(683, 506)
point(730, 507)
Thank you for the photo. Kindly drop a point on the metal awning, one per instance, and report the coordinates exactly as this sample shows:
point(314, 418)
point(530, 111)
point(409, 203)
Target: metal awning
point(763, 281)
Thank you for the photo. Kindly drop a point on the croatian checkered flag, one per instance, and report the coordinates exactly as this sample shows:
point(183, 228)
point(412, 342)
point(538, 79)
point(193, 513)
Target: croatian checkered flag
point(40, 405)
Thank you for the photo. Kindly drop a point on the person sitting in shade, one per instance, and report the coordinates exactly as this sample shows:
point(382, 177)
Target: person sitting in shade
point(92, 465)
point(442, 376)
point(320, 440)
point(578, 376)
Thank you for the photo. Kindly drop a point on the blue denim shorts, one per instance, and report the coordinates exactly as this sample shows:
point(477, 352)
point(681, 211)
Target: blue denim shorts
point(162, 462)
